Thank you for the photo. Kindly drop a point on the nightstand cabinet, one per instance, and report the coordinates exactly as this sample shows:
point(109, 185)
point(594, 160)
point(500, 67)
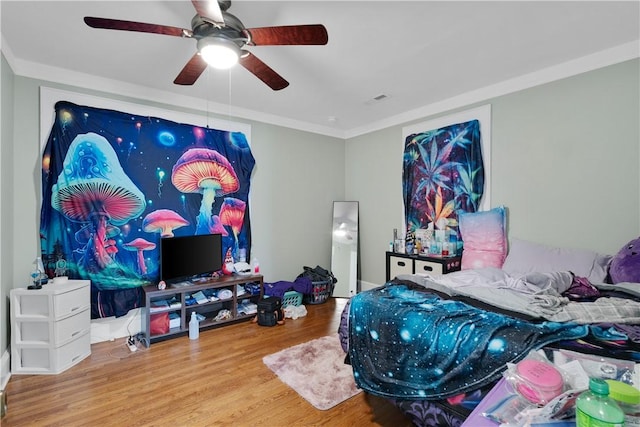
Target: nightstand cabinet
point(50, 327)
point(398, 263)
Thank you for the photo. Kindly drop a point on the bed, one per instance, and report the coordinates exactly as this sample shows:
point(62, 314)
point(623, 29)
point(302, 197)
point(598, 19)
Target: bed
point(436, 345)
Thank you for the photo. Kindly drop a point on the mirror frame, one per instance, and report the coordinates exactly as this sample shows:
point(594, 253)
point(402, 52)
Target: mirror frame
point(345, 245)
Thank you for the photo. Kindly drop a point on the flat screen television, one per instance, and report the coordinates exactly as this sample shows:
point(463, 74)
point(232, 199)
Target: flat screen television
point(189, 257)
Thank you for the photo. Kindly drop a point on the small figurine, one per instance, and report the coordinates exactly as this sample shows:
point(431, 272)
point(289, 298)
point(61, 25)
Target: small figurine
point(227, 267)
point(38, 276)
point(61, 267)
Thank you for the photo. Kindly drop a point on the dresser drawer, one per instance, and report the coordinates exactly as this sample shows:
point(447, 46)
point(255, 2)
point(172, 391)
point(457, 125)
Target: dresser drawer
point(45, 359)
point(399, 265)
point(33, 304)
point(55, 333)
point(402, 264)
point(71, 302)
point(31, 332)
point(71, 327)
point(71, 353)
point(428, 267)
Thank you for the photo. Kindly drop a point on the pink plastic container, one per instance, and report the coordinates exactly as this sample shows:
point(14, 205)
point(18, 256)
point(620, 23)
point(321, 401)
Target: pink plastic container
point(538, 382)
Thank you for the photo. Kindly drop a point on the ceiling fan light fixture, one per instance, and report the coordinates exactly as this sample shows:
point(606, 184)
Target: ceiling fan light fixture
point(219, 52)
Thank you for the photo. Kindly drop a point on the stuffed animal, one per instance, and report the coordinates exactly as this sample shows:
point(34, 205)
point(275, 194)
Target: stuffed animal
point(625, 265)
point(227, 267)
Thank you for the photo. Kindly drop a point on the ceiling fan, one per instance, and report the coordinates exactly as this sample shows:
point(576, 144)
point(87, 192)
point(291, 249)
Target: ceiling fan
point(221, 38)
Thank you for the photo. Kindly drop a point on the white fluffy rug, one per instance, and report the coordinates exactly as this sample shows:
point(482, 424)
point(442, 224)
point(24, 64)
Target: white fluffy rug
point(316, 371)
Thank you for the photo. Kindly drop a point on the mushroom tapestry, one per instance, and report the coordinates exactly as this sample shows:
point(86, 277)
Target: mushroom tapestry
point(442, 174)
point(114, 183)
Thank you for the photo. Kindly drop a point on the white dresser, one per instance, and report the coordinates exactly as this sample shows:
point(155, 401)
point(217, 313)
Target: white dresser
point(50, 327)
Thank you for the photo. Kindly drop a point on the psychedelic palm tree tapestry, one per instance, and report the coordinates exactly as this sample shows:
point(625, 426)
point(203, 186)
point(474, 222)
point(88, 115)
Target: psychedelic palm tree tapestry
point(114, 183)
point(443, 174)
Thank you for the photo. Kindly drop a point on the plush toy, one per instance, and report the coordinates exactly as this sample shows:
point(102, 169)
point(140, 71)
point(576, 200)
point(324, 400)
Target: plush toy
point(227, 267)
point(625, 265)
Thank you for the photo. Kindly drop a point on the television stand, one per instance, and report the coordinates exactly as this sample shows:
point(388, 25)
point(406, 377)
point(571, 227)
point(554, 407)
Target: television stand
point(167, 312)
point(207, 279)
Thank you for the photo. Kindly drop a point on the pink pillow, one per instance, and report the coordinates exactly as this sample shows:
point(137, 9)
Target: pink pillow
point(484, 238)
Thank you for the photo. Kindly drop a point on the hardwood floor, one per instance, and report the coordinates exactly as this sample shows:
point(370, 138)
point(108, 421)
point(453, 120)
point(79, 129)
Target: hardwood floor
point(217, 380)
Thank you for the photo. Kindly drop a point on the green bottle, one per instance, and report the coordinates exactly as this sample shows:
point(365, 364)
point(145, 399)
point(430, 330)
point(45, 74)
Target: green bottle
point(594, 407)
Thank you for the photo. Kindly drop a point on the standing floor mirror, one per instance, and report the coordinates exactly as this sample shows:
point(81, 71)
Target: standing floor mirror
point(344, 248)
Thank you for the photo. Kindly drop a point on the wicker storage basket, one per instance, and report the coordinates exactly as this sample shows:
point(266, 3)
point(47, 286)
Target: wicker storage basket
point(291, 298)
point(322, 290)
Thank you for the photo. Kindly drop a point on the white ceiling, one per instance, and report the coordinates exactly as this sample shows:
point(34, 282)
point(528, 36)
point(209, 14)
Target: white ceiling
point(425, 56)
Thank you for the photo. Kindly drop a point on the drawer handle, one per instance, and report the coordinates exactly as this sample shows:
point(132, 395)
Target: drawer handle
point(75, 308)
point(402, 263)
point(75, 358)
point(427, 268)
point(75, 333)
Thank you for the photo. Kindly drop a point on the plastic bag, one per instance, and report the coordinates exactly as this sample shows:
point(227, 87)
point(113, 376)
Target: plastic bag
point(295, 311)
point(536, 379)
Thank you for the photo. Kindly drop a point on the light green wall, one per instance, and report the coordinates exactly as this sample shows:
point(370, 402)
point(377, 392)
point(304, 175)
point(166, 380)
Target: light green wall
point(374, 179)
point(574, 146)
point(565, 162)
point(6, 196)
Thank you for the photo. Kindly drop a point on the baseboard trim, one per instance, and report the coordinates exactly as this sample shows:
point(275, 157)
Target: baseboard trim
point(5, 369)
point(112, 328)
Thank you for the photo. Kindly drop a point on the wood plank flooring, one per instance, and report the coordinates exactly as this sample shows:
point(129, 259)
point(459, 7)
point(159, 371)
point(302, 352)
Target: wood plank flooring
point(217, 380)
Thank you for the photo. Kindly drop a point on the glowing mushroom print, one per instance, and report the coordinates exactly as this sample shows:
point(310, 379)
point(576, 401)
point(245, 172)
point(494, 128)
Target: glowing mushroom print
point(163, 221)
point(111, 247)
point(85, 234)
point(216, 227)
point(92, 188)
point(232, 214)
point(140, 245)
point(205, 171)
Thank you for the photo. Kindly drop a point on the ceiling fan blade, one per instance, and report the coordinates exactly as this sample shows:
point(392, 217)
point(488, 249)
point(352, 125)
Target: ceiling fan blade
point(210, 10)
point(262, 71)
point(191, 71)
point(289, 35)
point(117, 24)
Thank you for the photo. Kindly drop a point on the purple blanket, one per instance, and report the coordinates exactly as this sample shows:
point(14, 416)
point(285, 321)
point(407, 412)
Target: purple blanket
point(278, 289)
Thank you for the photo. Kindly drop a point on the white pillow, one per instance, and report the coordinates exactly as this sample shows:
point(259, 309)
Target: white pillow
point(527, 257)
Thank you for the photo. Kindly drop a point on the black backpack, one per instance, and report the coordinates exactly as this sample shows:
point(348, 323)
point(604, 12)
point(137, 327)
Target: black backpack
point(270, 312)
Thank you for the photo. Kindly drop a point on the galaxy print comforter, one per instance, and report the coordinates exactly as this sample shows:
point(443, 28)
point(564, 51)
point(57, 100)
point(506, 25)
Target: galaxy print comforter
point(407, 342)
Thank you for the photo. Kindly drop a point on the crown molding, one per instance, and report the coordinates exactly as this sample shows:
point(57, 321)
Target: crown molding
point(615, 55)
point(574, 67)
point(94, 83)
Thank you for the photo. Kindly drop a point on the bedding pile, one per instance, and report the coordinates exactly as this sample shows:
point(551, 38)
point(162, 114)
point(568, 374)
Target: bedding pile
point(435, 345)
point(539, 295)
point(410, 343)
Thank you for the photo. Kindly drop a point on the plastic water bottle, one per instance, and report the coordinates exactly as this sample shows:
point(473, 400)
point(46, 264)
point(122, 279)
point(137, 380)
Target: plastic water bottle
point(594, 407)
point(255, 266)
point(194, 327)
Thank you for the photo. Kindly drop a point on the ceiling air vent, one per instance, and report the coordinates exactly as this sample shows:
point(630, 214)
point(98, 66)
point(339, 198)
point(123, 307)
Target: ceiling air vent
point(377, 99)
